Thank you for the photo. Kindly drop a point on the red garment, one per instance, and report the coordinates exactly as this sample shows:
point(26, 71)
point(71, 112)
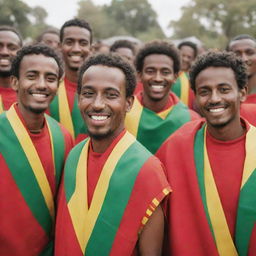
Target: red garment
point(71, 89)
point(138, 88)
point(189, 232)
point(250, 98)
point(248, 111)
point(20, 232)
point(9, 96)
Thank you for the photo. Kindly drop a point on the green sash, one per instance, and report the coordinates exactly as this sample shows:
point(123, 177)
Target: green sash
point(25, 165)
point(97, 226)
point(246, 216)
point(152, 129)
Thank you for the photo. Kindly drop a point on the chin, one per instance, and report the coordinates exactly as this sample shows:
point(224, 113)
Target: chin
point(100, 135)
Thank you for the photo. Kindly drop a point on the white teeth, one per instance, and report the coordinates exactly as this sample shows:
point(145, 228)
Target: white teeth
point(39, 95)
point(157, 86)
point(76, 58)
point(99, 118)
point(215, 110)
point(4, 62)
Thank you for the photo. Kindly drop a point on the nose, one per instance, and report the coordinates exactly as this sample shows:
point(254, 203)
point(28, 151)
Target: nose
point(4, 51)
point(41, 83)
point(98, 103)
point(76, 47)
point(158, 77)
point(215, 97)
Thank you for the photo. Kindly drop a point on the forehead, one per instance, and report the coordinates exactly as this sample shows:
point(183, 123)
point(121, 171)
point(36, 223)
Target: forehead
point(216, 75)
point(109, 77)
point(242, 44)
point(187, 49)
point(9, 37)
point(75, 32)
point(38, 62)
point(158, 60)
point(124, 51)
point(50, 36)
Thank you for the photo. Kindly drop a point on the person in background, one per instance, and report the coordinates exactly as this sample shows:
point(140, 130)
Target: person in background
point(50, 37)
point(33, 147)
point(10, 43)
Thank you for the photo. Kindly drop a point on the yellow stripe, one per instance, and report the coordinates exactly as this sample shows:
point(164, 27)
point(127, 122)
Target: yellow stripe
point(184, 88)
point(132, 119)
point(149, 212)
point(32, 156)
point(250, 152)
point(164, 113)
point(89, 217)
point(1, 105)
point(64, 111)
point(221, 231)
point(144, 220)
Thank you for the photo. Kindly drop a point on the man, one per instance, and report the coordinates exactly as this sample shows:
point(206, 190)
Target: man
point(76, 40)
point(32, 151)
point(211, 166)
point(10, 43)
point(50, 37)
point(112, 188)
point(157, 112)
point(188, 53)
point(245, 47)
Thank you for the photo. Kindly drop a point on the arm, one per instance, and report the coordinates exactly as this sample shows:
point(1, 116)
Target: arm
point(151, 237)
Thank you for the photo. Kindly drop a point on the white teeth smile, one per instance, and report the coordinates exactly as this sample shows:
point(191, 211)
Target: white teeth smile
point(75, 58)
point(4, 62)
point(99, 118)
point(157, 86)
point(216, 110)
point(39, 95)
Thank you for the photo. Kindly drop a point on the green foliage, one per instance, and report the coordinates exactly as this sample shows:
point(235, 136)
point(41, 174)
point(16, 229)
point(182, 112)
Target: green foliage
point(122, 17)
point(215, 22)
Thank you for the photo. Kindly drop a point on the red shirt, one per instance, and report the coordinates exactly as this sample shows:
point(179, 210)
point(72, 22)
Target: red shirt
point(71, 89)
point(9, 96)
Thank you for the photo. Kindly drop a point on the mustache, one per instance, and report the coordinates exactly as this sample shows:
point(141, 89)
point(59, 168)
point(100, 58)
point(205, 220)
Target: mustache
point(216, 105)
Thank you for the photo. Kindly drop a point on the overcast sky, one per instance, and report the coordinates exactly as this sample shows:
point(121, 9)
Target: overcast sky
point(61, 10)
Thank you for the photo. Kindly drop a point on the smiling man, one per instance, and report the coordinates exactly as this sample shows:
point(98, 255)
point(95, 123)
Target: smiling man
point(157, 112)
point(32, 152)
point(10, 43)
point(211, 166)
point(76, 41)
point(109, 201)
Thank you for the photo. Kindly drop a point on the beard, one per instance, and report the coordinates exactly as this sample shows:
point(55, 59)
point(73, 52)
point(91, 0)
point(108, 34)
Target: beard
point(5, 73)
point(101, 136)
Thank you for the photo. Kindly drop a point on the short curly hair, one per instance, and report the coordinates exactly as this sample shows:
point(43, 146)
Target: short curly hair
point(12, 29)
point(110, 60)
point(76, 23)
point(158, 47)
point(219, 59)
point(122, 44)
point(35, 49)
point(240, 37)
point(190, 44)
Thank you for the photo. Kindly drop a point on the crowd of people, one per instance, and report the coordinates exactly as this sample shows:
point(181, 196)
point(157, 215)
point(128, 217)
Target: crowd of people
point(124, 149)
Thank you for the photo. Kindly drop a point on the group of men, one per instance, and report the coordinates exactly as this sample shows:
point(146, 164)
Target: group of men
point(148, 176)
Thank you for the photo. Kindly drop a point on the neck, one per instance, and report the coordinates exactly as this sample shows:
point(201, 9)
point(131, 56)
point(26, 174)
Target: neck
point(71, 75)
point(252, 84)
point(5, 82)
point(225, 133)
point(155, 106)
point(34, 122)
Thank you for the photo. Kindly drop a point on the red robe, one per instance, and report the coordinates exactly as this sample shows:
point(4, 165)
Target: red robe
point(9, 96)
point(188, 228)
point(21, 233)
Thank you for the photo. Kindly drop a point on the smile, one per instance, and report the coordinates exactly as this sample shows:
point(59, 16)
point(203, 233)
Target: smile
point(39, 95)
point(99, 118)
point(216, 110)
point(157, 87)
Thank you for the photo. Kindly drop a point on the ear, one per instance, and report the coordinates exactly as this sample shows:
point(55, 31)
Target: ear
point(243, 93)
point(129, 103)
point(14, 83)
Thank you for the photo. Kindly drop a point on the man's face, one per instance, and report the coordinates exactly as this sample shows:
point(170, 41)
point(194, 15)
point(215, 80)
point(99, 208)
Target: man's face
point(246, 49)
point(126, 53)
point(9, 45)
point(37, 83)
point(218, 97)
point(187, 56)
point(75, 46)
point(157, 77)
point(103, 102)
point(52, 40)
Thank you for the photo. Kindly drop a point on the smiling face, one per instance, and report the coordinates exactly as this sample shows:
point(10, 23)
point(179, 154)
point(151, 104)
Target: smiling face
point(246, 49)
point(219, 98)
point(37, 83)
point(187, 56)
point(75, 46)
point(157, 77)
point(51, 39)
point(9, 45)
point(103, 102)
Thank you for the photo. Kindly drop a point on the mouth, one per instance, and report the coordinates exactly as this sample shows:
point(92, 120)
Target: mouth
point(99, 117)
point(39, 96)
point(76, 58)
point(5, 62)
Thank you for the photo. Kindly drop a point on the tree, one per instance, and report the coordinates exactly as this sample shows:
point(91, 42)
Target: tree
point(215, 22)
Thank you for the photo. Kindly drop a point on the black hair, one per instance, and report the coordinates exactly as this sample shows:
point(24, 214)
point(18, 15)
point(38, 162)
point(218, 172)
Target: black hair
point(110, 60)
point(122, 44)
point(240, 37)
point(158, 47)
point(47, 31)
point(219, 59)
point(35, 49)
point(12, 29)
point(76, 23)
point(190, 44)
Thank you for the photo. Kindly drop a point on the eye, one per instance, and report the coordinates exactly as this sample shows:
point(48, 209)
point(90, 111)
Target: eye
point(112, 95)
point(84, 43)
point(51, 79)
point(224, 89)
point(150, 71)
point(203, 92)
point(166, 72)
point(31, 76)
point(13, 47)
point(87, 94)
point(68, 42)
